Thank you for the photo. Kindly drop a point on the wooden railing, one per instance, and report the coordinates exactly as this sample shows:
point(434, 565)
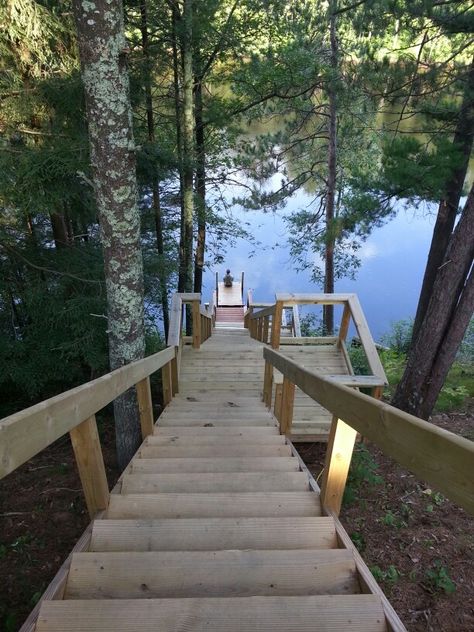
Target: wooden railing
point(441, 458)
point(261, 324)
point(24, 434)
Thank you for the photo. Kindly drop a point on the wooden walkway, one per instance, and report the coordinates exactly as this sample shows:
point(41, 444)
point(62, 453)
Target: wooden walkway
point(217, 525)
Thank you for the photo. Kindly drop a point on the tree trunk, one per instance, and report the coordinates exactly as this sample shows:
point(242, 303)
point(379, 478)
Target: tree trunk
point(328, 310)
point(60, 230)
point(103, 51)
point(200, 188)
point(155, 184)
point(448, 207)
point(442, 328)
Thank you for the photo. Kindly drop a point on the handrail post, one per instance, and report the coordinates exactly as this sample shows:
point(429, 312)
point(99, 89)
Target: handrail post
point(266, 322)
point(277, 404)
point(276, 324)
point(260, 329)
point(145, 406)
point(287, 401)
point(268, 384)
point(90, 463)
point(336, 468)
point(174, 374)
point(344, 327)
point(167, 383)
point(196, 325)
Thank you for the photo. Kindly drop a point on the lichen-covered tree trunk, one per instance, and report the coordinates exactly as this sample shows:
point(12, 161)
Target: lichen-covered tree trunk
point(448, 207)
point(328, 310)
point(103, 52)
point(445, 322)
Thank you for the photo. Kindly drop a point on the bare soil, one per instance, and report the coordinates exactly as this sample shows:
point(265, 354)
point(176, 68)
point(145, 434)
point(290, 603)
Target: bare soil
point(421, 544)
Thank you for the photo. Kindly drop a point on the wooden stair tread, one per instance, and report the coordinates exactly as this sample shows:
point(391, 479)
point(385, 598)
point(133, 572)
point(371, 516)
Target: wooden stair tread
point(203, 431)
point(218, 421)
point(216, 482)
point(238, 439)
point(153, 574)
point(216, 464)
point(192, 451)
point(210, 534)
point(214, 505)
point(332, 613)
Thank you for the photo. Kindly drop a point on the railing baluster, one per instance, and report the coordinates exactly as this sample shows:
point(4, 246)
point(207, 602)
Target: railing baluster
point(167, 383)
point(338, 459)
point(196, 310)
point(287, 402)
point(276, 324)
point(90, 463)
point(145, 406)
point(268, 385)
point(277, 405)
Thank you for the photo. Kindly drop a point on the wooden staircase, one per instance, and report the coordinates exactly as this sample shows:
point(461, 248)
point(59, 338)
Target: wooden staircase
point(216, 524)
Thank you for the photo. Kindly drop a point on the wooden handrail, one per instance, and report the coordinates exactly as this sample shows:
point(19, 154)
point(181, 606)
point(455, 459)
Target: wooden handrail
point(24, 434)
point(437, 456)
point(269, 311)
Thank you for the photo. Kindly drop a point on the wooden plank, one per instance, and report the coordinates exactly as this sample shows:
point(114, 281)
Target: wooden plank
point(366, 338)
point(208, 440)
point(167, 383)
point(344, 326)
point(286, 407)
point(276, 325)
point(196, 324)
point(268, 385)
point(228, 505)
point(145, 406)
point(200, 451)
point(277, 406)
point(309, 299)
point(316, 613)
point(441, 458)
point(237, 430)
point(175, 574)
point(336, 468)
point(213, 534)
point(309, 340)
point(176, 314)
point(218, 464)
point(90, 463)
point(360, 381)
point(268, 311)
point(26, 433)
point(215, 482)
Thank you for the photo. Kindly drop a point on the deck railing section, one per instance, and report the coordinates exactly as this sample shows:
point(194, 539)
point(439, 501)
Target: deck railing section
point(28, 432)
point(441, 458)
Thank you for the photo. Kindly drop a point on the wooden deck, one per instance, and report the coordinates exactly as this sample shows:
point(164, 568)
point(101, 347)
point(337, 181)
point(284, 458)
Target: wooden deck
point(229, 296)
point(216, 524)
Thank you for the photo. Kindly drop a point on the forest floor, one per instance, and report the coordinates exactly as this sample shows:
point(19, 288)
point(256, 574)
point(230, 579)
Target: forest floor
point(419, 546)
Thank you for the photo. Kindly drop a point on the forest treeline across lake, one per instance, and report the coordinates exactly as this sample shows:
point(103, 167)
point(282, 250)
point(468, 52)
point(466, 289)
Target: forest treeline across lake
point(123, 129)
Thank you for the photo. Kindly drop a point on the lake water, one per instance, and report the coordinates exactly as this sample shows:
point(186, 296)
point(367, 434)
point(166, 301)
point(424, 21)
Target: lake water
point(388, 282)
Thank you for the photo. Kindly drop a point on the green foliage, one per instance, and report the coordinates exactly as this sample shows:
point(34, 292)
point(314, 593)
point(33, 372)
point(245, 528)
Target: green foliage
point(358, 360)
point(359, 541)
point(437, 579)
point(362, 473)
point(398, 339)
point(390, 576)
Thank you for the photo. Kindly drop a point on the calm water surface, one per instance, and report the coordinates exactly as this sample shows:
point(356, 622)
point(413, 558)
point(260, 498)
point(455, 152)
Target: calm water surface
point(387, 283)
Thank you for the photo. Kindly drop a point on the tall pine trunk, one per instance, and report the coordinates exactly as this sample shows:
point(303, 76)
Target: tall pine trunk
point(103, 53)
point(447, 317)
point(185, 282)
point(155, 183)
point(200, 188)
point(328, 310)
point(448, 207)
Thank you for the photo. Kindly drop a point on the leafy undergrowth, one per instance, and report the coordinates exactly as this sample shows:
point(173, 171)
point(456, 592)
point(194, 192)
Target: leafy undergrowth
point(418, 545)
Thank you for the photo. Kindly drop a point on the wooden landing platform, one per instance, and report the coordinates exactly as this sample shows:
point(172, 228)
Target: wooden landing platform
point(229, 296)
point(216, 524)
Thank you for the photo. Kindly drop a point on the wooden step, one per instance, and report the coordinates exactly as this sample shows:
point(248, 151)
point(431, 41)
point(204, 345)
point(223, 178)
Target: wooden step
point(198, 451)
point(213, 534)
point(231, 431)
point(166, 574)
point(333, 613)
point(241, 439)
point(219, 421)
point(229, 505)
point(220, 464)
point(215, 482)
